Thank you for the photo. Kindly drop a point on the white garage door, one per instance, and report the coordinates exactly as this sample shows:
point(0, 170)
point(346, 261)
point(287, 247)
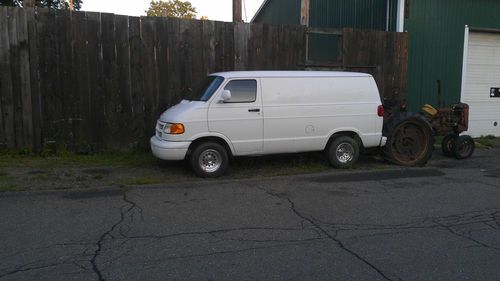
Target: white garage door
point(481, 85)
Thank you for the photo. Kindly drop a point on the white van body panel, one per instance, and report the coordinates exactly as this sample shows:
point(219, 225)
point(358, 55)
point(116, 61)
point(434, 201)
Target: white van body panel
point(298, 112)
point(235, 121)
point(302, 113)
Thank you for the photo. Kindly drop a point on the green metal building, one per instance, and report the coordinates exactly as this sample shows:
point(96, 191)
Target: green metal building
point(454, 46)
point(364, 14)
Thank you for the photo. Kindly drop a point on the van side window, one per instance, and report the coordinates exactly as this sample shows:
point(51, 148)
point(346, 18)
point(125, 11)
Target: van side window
point(242, 90)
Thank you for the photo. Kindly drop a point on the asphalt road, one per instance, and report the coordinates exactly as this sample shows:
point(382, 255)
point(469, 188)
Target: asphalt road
point(441, 222)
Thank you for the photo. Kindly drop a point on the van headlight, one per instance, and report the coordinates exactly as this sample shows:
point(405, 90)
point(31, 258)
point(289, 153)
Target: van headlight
point(174, 128)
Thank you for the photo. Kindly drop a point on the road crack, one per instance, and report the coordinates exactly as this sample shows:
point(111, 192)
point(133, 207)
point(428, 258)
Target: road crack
point(314, 223)
point(124, 211)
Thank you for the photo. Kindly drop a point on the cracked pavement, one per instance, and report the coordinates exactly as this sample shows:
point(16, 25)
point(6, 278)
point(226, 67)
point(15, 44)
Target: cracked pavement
point(441, 222)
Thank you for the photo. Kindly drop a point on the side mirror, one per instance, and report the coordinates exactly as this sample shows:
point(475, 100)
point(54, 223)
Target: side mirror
point(225, 96)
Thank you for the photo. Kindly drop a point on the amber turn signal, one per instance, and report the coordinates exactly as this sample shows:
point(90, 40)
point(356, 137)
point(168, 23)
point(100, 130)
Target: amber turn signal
point(176, 129)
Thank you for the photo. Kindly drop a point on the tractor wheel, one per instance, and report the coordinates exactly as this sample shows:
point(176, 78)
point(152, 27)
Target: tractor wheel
point(448, 145)
point(410, 139)
point(463, 147)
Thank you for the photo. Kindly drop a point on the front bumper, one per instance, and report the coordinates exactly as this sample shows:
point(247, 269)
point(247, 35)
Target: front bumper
point(169, 150)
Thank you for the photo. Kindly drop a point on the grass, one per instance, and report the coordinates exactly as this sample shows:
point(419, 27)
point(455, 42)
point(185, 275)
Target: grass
point(488, 142)
point(68, 159)
point(277, 165)
point(22, 170)
point(5, 187)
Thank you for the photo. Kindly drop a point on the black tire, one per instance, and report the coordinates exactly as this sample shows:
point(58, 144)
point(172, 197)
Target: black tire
point(343, 152)
point(410, 139)
point(209, 160)
point(464, 147)
point(448, 145)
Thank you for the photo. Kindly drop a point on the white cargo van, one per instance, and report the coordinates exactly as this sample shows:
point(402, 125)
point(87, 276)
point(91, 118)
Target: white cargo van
point(269, 112)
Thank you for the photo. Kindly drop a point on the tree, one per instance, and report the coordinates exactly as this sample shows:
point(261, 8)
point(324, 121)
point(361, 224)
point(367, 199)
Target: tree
point(171, 8)
point(51, 4)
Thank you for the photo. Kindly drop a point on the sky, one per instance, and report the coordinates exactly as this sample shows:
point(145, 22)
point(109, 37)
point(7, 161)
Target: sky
point(220, 10)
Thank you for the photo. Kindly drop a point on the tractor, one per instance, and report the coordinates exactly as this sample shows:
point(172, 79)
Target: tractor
point(410, 135)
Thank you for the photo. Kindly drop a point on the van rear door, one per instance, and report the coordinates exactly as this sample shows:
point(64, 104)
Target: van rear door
point(240, 118)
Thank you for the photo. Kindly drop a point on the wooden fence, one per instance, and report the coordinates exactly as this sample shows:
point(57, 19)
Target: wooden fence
point(96, 81)
point(99, 81)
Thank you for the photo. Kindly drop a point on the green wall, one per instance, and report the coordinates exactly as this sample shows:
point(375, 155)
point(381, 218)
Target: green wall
point(436, 30)
point(365, 14)
point(280, 12)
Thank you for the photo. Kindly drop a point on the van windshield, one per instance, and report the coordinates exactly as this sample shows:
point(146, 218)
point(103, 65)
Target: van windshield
point(205, 90)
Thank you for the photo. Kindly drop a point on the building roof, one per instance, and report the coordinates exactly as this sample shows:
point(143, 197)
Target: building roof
point(260, 9)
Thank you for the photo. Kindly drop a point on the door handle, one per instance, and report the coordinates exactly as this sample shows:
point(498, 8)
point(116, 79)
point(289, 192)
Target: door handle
point(254, 110)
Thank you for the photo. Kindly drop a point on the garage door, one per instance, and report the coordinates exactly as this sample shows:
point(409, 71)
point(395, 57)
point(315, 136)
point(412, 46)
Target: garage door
point(481, 87)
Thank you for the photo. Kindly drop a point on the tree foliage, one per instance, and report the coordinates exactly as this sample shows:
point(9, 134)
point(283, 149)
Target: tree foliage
point(51, 4)
point(171, 8)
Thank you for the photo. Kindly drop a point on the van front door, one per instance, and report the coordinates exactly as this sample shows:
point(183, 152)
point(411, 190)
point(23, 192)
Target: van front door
point(240, 117)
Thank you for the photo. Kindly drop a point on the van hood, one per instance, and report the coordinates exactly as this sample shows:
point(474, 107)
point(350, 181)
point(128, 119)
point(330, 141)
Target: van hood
point(182, 112)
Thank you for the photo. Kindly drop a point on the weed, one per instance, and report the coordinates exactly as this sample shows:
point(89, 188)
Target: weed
point(488, 142)
point(5, 187)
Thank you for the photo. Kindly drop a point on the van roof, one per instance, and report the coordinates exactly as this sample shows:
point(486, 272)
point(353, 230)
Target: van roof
point(260, 74)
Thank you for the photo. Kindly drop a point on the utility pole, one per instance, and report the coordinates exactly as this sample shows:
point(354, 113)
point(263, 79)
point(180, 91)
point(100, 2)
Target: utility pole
point(237, 14)
point(304, 12)
point(304, 20)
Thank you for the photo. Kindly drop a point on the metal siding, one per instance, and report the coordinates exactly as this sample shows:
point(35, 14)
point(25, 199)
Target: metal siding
point(280, 12)
point(393, 13)
point(324, 48)
point(366, 14)
point(436, 38)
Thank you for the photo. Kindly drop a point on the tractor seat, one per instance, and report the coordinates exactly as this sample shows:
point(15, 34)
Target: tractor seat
point(430, 110)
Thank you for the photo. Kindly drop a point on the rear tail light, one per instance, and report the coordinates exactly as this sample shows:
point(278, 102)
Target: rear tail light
point(380, 111)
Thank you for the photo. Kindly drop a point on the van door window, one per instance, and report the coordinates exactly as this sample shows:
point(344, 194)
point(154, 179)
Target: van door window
point(242, 91)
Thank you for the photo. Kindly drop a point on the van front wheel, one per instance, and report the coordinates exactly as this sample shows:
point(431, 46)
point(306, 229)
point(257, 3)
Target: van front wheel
point(209, 160)
point(343, 152)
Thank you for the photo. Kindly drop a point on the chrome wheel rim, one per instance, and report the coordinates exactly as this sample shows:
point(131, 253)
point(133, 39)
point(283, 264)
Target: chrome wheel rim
point(210, 160)
point(345, 153)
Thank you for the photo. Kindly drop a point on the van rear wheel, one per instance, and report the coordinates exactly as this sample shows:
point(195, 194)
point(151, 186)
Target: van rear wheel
point(209, 160)
point(343, 152)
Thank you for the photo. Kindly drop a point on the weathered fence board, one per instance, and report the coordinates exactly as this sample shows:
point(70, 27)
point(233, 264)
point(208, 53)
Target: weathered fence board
point(95, 81)
point(382, 54)
point(6, 92)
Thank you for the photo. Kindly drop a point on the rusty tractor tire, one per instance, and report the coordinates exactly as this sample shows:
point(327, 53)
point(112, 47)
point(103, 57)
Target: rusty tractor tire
point(410, 139)
point(463, 147)
point(448, 145)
